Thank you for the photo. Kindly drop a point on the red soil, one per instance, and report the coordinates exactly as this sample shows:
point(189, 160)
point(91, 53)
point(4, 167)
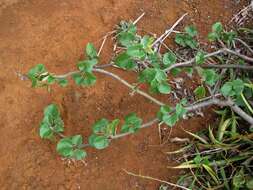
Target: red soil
point(54, 33)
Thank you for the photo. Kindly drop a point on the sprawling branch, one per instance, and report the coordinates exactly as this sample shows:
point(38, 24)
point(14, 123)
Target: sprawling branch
point(191, 62)
point(142, 93)
point(190, 108)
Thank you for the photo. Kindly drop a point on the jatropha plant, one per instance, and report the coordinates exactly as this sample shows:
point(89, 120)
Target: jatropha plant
point(225, 80)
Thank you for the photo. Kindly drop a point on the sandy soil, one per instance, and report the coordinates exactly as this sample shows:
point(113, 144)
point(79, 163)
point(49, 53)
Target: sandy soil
point(54, 32)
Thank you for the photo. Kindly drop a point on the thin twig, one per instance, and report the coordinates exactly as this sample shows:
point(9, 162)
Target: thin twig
point(191, 62)
point(169, 31)
point(102, 45)
point(245, 44)
point(129, 86)
point(120, 80)
point(229, 66)
point(239, 55)
point(139, 18)
point(155, 179)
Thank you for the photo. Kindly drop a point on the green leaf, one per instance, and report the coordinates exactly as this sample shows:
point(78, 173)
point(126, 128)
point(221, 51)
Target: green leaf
point(180, 110)
point(91, 51)
point(200, 92)
point(175, 71)
point(45, 131)
point(164, 88)
point(164, 110)
point(191, 30)
point(132, 123)
point(170, 119)
point(100, 126)
point(147, 43)
point(160, 75)
point(77, 140)
point(217, 27)
point(217, 30)
point(213, 36)
point(229, 37)
point(210, 76)
point(84, 79)
point(99, 142)
point(62, 82)
point(156, 78)
point(37, 74)
point(238, 86)
point(180, 40)
point(87, 65)
point(197, 159)
point(126, 38)
point(186, 40)
point(51, 110)
point(191, 43)
point(136, 51)
point(79, 154)
point(147, 75)
point(227, 89)
point(127, 27)
point(64, 147)
point(112, 127)
point(235, 87)
point(40, 68)
point(189, 71)
point(51, 123)
point(169, 59)
point(68, 147)
point(155, 59)
point(200, 58)
point(125, 61)
point(50, 79)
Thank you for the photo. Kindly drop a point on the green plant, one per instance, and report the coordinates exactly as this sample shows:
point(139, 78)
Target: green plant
point(228, 82)
point(220, 157)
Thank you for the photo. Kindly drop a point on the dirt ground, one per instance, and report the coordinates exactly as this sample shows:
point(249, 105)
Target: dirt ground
point(54, 32)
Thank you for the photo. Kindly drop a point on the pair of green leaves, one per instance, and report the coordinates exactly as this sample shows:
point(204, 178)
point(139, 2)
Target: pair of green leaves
point(209, 76)
point(70, 147)
point(102, 130)
point(85, 77)
point(232, 88)
point(187, 39)
point(132, 123)
point(169, 59)
point(200, 92)
point(218, 33)
point(126, 60)
point(137, 47)
point(135, 51)
point(126, 34)
point(41, 77)
point(51, 123)
point(171, 116)
point(157, 79)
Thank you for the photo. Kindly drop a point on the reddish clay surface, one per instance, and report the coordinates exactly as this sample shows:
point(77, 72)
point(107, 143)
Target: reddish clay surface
point(54, 32)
